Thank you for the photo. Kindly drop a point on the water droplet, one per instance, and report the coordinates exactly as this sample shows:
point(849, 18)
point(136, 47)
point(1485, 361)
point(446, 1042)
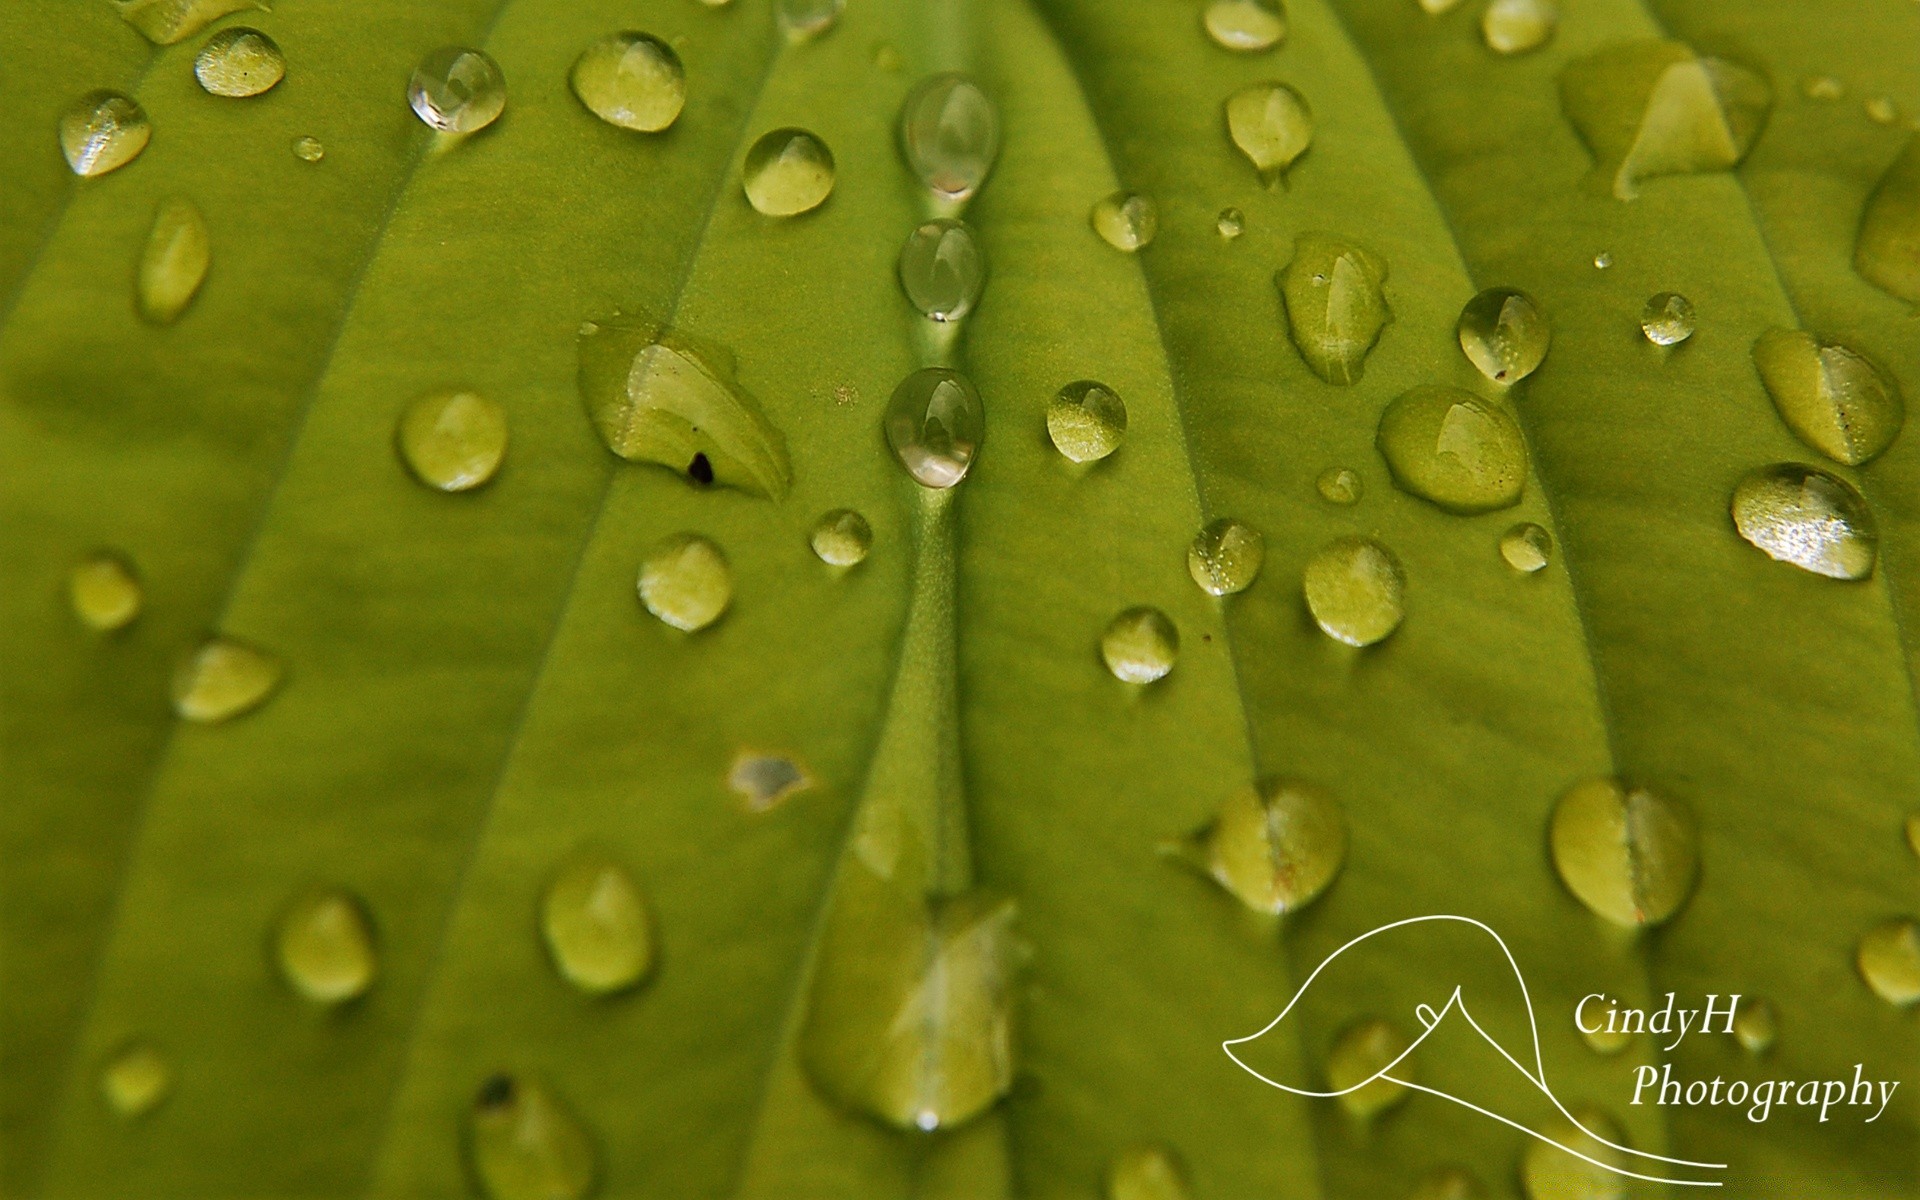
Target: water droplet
point(1231, 223)
point(1822, 87)
point(841, 538)
point(223, 679)
point(456, 90)
point(1504, 334)
point(526, 1144)
point(1804, 516)
point(135, 1080)
point(1913, 834)
point(803, 19)
point(1602, 261)
point(788, 172)
point(1140, 645)
point(886, 56)
point(1126, 220)
point(1889, 961)
point(164, 22)
point(764, 780)
point(1366, 1047)
point(105, 592)
point(1449, 1183)
point(1756, 1025)
point(1667, 319)
point(1834, 398)
point(1517, 26)
point(1548, 1172)
point(453, 441)
point(935, 424)
point(1601, 1040)
point(1147, 1173)
point(1087, 421)
point(103, 131)
point(308, 148)
point(174, 262)
point(1882, 110)
point(1335, 305)
point(1226, 556)
point(1526, 547)
point(1275, 845)
point(632, 80)
point(1628, 854)
point(239, 62)
point(942, 269)
point(1339, 485)
point(596, 925)
point(1887, 252)
point(1648, 108)
point(1271, 124)
point(324, 947)
point(950, 134)
point(1246, 25)
point(686, 582)
point(1355, 590)
point(1450, 447)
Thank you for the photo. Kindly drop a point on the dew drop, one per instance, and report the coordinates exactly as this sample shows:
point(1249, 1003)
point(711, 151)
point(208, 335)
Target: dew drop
point(1140, 645)
point(1449, 1183)
point(596, 925)
point(1226, 557)
point(1889, 961)
point(1627, 853)
point(1454, 449)
point(135, 1080)
point(1667, 319)
point(1126, 220)
point(1245, 25)
point(1147, 1173)
point(803, 19)
point(1517, 26)
point(1355, 590)
point(1602, 261)
point(1271, 124)
point(788, 172)
point(1548, 1172)
point(1756, 1025)
point(1504, 335)
point(1363, 1050)
point(1882, 110)
point(239, 62)
point(526, 1144)
point(632, 80)
point(223, 679)
point(1604, 1041)
point(1335, 304)
point(1822, 87)
point(886, 57)
point(1231, 223)
point(1339, 485)
point(1834, 398)
point(103, 131)
point(308, 148)
point(1913, 834)
point(763, 781)
point(1526, 547)
point(1087, 421)
point(950, 135)
point(1648, 108)
point(105, 592)
point(164, 22)
point(453, 441)
point(1887, 251)
point(1274, 845)
point(935, 424)
point(174, 262)
point(324, 947)
point(942, 269)
point(841, 538)
point(1804, 516)
point(456, 90)
point(686, 582)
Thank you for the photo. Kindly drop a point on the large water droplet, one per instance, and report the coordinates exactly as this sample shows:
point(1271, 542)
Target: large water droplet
point(1087, 421)
point(1526, 547)
point(1147, 1173)
point(1448, 1183)
point(1355, 590)
point(1548, 1172)
point(1275, 845)
point(935, 424)
point(1364, 1048)
point(1245, 25)
point(1756, 1025)
point(765, 780)
point(950, 134)
point(1667, 319)
point(308, 148)
point(802, 19)
point(1834, 398)
point(456, 90)
point(526, 1144)
point(1126, 220)
point(239, 62)
point(1230, 224)
point(787, 172)
point(1804, 516)
point(841, 538)
point(324, 947)
point(1504, 334)
point(105, 592)
point(1226, 557)
point(164, 22)
point(1517, 26)
point(103, 131)
point(1339, 485)
point(596, 926)
point(1449, 446)
point(942, 269)
point(1335, 305)
point(1650, 108)
point(1887, 252)
point(135, 1079)
point(1627, 853)
point(632, 80)
point(174, 262)
point(1889, 961)
point(1140, 645)
point(686, 582)
point(1271, 124)
point(223, 679)
point(453, 441)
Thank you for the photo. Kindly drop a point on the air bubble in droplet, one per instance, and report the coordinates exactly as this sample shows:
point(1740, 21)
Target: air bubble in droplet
point(1355, 590)
point(1140, 645)
point(686, 582)
point(1363, 1050)
point(239, 62)
point(1335, 304)
point(1667, 319)
point(1504, 334)
point(935, 424)
point(942, 269)
point(453, 441)
point(1452, 448)
point(1226, 557)
point(1889, 961)
point(1274, 845)
point(632, 80)
point(222, 679)
point(526, 1144)
point(788, 172)
point(1245, 25)
point(841, 538)
point(1802, 515)
point(103, 131)
point(1833, 397)
point(1517, 26)
point(1526, 547)
point(1339, 485)
point(1271, 124)
point(457, 90)
point(105, 592)
point(1628, 854)
point(1086, 421)
point(135, 1079)
point(324, 947)
point(950, 135)
point(1126, 220)
point(595, 922)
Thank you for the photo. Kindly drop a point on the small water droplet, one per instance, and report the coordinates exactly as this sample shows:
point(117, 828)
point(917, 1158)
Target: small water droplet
point(632, 80)
point(1602, 1040)
point(1449, 1183)
point(1889, 961)
point(308, 148)
point(174, 262)
point(526, 1144)
point(1834, 398)
point(1226, 557)
point(841, 538)
point(1454, 449)
point(1602, 261)
point(1648, 108)
point(1913, 834)
point(1355, 590)
point(1147, 1173)
point(935, 424)
point(1667, 319)
point(1339, 485)
point(950, 134)
point(135, 1079)
point(1802, 515)
point(886, 57)
point(803, 19)
point(453, 441)
point(1627, 853)
point(324, 946)
point(1231, 223)
point(456, 90)
point(1526, 547)
point(1548, 1172)
point(1365, 1048)
point(765, 780)
point(1335, 304)
point(1517, 26)
point(1246, 25)
point(686, 582)
point(1822, 87)
point(1887, 251)
point(1504, 334)
point(1882, 110)
point(1274, 845)
point(239, 62)
point(1140, 645)
point(596, 925)
point(105, 592)
point(1271, 124)
point(103, 131)
point(1087, 421)
point(223, 679)
point(942, 269)
point(164, 22)
point(1126, 220)
point(1756, 1025)
point(788, 172)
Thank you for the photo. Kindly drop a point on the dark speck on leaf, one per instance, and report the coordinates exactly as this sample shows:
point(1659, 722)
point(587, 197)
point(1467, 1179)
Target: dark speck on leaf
point(700, 470)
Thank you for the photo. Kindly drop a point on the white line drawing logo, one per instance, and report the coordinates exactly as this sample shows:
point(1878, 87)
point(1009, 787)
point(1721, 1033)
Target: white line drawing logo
point(1430, 1020)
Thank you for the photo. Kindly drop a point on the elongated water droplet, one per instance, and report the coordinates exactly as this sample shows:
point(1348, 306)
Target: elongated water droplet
point(1882, 110)
point(1140, 645)
point(324, 947)
point(1804, 516)
point(841, 538)
point(1126, 220)
point(1822, 87)
point(1275, 845)
point(803, 19)
point(453, 441)
point(950, 135)
point(686, 582)
point(1449, 446)
point(1448, 1183)
point(105, 592)
point(1667, 319)
point(174, 262)
point(1271, 124)
point(457, 90)
point(1526, 547)
point(942, 269)
point(788, 172)
point(1627, 853)
point(103, 131)
point(1548, 1172)
point(1887, 252)
point(223, 679)
point(1363, 1050)
point(1648, 108)
point(935, 424)
point(135, 1079)
point(526, 1144)
point(239, 62)
point(1087, 421)
point(1147, 1173)
point(596, 925)
point(1913, 834)
point(1355, 590)
point(308, 148)
point(1889, 961)
point(1834, 398)
point(1517, 26)
point(1231, 223)
point(1245, 25)
point(632, 80)
point(1339, 485)
point(164, 22)
point(1335, 304)
point(1226, 557)
point(763, 781)
point(1756, 1025)
point(1504, 335)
